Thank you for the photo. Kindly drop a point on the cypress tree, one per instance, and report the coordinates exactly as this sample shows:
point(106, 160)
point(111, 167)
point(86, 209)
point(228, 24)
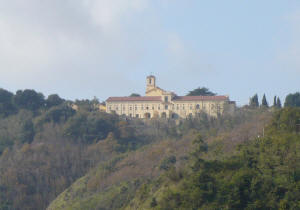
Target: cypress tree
point(254, 101)
point(275, 102)
point(264, 102)
point(278, 103)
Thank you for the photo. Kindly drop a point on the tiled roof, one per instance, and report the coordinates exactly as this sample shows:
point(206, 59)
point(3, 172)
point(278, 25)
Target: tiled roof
point(141, 98)
point(200, 98)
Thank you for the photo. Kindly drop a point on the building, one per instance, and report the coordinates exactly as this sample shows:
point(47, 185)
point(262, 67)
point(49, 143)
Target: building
point(159, 103)
point(102, 107)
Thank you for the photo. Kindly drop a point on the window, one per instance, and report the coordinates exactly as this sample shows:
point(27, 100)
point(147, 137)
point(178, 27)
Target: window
point(197, 106)
point(166, 98)
point(123, 107)
point(109, 107)
point(130, 115)
point(137, 115)
point(142, 107)
point(130, 108)
point(152, 107)
point(183, 106)
point(191, 107)
point(135, 107)
point(147, 107)
point(158, 107)
point(177, 106)
point(166, 107)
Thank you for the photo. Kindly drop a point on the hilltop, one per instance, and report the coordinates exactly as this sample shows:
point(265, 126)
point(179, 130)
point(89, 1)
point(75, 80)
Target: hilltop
point(56, 157)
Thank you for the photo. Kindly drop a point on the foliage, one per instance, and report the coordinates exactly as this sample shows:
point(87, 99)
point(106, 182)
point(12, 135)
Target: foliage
point(264, 102)
point(6, 103)
point(278, 103)
point(201, 92)
point(275, 101)
point(87, 105)
point(29, 99)
point(134, 95)
point(264, 174)
point(89, 127)
point(57, 114)
point(54, 100)
point(167, 162)
point(254, 101)
point(292, 100)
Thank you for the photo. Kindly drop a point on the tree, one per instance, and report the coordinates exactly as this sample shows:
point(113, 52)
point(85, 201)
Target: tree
point(153, 203)
point(264, 102)
point(27, 133)
point(53, 100)
point(135, 95)
point(275, 102)
point(57, 114)
point(254, 101)
point(201, 92)
point(292, 100)
point(6, 103)
point(29, 99)
point(278, 103)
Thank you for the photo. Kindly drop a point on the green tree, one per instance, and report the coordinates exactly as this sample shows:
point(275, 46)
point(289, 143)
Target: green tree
point(57, 114)
point(6, 103)
point(254, 101)
point(29, 99)
point(54, 100)
point(27, 133)
point(278, 103)
point(135, 95)
point(201, 92)
point(275, 102)
point(264, 102)
point(292, 100)
point(153, 203)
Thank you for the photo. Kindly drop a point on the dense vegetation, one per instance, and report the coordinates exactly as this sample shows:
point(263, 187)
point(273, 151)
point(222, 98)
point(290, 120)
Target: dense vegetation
point(67, 155)
point(125, 182)
point(263, 174)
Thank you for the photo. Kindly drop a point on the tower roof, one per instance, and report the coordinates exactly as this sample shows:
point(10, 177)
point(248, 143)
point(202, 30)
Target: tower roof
point(150, 76)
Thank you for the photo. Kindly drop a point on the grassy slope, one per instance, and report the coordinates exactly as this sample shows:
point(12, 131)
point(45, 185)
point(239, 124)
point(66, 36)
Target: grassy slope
point(113, 184)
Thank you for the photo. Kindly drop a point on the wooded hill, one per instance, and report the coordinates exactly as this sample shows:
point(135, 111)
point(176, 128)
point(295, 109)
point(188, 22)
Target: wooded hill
point(57, 158)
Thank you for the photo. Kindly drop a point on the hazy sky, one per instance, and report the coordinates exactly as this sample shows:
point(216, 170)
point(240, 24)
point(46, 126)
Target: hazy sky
point(86, 48)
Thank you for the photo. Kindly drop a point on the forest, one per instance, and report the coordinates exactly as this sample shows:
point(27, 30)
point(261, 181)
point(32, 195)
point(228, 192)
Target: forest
point(55, 157)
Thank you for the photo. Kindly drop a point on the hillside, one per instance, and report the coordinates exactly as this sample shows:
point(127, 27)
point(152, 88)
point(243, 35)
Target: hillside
point(127, 180)
point(262, 174)
point(55, 157)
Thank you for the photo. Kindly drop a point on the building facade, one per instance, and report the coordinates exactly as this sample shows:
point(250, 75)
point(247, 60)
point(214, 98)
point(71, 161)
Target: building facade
point(158, 103)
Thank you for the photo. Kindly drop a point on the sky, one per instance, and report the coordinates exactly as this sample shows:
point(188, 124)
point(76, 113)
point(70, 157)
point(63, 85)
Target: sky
point(81, 49)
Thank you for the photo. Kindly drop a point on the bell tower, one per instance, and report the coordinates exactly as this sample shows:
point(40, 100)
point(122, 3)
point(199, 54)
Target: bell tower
point(151, 82)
